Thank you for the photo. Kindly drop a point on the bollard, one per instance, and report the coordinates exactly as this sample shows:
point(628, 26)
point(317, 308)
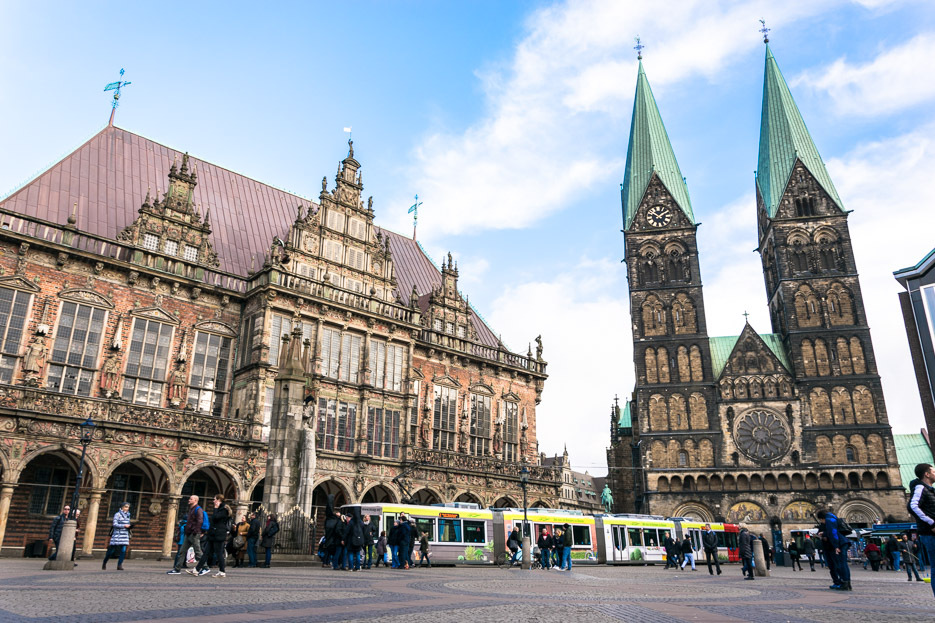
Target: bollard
point(66, 544)
point(527, 553)
point(759, 558)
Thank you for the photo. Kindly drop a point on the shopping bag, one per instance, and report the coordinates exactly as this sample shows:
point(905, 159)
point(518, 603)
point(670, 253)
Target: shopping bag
point(190, 556)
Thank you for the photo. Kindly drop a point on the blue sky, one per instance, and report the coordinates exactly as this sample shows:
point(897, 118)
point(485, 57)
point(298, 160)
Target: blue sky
point(510, 119)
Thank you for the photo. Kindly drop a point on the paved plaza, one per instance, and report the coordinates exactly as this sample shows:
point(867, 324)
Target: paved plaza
point(595, 594)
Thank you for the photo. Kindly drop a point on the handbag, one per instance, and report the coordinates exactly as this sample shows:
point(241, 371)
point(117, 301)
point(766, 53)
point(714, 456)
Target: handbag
point(239, 541)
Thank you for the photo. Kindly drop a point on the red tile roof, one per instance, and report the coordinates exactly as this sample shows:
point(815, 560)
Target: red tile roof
point(109, 175)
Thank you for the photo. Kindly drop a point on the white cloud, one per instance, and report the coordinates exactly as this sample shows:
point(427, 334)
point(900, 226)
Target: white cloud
point(555, 124)
point(897, 79)
point(583, 317)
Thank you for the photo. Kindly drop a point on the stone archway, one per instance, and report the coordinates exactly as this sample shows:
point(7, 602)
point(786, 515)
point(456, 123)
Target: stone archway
point(378, 494)
point(426, 497)
point(145, 483)
point(694, 510)
point(505, 502)
point(860, 513)
point(333, 488)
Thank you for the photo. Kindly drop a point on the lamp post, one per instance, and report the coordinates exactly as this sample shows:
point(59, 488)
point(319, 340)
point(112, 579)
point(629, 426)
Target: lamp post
point(527, 538)
point(66, 543)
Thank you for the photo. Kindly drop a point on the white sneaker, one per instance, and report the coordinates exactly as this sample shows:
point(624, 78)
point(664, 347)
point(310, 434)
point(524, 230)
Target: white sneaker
point(220, 574)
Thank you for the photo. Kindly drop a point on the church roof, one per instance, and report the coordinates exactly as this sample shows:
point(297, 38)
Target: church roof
point(910, 451)
point(649, 152)
point(722, 347)
point(626, 420)
point(784, 139)
point(109, 175)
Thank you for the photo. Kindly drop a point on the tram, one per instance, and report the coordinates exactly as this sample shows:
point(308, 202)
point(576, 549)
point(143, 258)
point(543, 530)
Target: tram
point(464, 533)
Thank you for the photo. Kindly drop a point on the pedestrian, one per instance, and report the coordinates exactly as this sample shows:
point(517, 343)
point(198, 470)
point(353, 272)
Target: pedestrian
point(119, 537)
point(892, 554)
point(917, 548)
point(794, 554)
point(381, 549)
point(873, 554)
point(55, 531)
point(835, 547)
point(194, 522)
point(332, 523)
point(922, 509)
point(355, 541)
point(558, 543)
point(424, 553)
point(545, 547)
point(767, 551)
point(405, 535)
point(216, 537)
point(746, 551)
point(371, 535)
point(709, 542)
point(253, 535)
point(909, 559)
point(239, 540)
point(513, 544)
point(672, 551)
point(180, 540)
point(808, 548)
point(268, 540)
point(688, 552)
point(392, 541)
point(566, 549)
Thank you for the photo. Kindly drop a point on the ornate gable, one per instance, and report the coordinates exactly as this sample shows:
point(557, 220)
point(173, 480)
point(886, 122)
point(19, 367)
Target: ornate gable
point(510, 396)
point(18, 282)
point(155, 313)
point(754, 369)
point(751, 355)
point(482, 388)
point(88, 297)
point(446, 379)
point(215, 326)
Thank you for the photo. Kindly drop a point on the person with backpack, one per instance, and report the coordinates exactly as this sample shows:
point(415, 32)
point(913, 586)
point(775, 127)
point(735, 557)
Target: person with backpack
point(794, 554)
point(195, 524)
point(874, 556)
point(709, 543)
point(221, 524)
point(745, 549)
point(269, 538)
point(513, 544)
point(922, 509)
point(832, 532)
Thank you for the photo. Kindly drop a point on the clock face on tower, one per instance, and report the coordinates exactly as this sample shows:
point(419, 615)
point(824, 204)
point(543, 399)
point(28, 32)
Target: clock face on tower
point(659, 216)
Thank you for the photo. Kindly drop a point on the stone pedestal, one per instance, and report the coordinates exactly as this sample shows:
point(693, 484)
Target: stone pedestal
point(66, 543)
point(527, 552)
point(759, 558)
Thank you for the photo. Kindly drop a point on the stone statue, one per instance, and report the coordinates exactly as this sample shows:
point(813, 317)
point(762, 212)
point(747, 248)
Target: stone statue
point(523, 444)
point(497, 439)
point(607, 499)
point(425, 432)
point(465, 432)
point(538, 348)
point(110, 375)
point(177, 385)
point(35, 355)
point(308, 458)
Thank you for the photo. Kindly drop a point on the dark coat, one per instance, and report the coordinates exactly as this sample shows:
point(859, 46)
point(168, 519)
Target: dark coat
point(545, 541)
point(808, 548)
point(686, 546)
point(381, 546)
point(219, 520)
point(746, 543)
point(566, 537)
point(671, 546)
point(424, 545)
point(254, 531)
point(195, 519)
point(393, 537)
point(513, 543)
point(403, 535)
point(332, 538)
point(922, 502)
point(709, 540)
point(55, 530)
point(355, 534)
point(269, 534)
point(793, 550)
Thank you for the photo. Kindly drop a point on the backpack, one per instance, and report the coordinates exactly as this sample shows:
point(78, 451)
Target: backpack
point(205, 520)
point(843, 527)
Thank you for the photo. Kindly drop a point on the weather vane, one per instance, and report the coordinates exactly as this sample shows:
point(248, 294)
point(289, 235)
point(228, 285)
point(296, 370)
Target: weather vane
point(115, 87)
point(764, 30)
point(414, 211)
point(639, 48)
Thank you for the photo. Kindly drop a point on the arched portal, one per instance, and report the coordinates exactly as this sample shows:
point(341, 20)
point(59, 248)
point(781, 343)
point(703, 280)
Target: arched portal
point(505, 502)
point(144, 484)
point(332, 488)
point(206, 482)
point(256, 496)
point(469, 497)
point(425, 497)
point(378, 494)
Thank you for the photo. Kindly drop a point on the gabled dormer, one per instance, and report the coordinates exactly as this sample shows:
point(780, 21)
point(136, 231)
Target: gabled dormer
point(169, 234)
point(448, 313)
point(751, 366)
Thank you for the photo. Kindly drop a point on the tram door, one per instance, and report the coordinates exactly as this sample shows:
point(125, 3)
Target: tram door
point(619, 536)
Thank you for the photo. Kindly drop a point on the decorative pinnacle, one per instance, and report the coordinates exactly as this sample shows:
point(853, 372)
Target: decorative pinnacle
point(764, 30)
point(639, 48)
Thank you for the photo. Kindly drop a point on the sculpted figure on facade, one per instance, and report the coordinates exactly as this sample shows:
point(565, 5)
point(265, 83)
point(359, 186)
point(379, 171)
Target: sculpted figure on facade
point(110, 375)
point(177, 386)
point(34, 358)
point(465, 430)
point(425, 432)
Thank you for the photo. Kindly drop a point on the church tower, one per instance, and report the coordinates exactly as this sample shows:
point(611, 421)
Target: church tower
point(674, 393)
point(813, 290)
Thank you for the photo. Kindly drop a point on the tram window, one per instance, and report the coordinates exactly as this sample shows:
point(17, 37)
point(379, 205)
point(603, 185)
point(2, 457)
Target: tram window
point(449, 530)
point(581, 535)
point(634, 536)
point(696, 540)
point(424, 524)
point(388, 521)
point(651, 537)
point(616, 532)
point(475, 531)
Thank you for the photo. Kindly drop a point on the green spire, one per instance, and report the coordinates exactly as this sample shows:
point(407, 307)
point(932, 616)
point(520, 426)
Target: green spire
point(650, 152)
point(783, 139)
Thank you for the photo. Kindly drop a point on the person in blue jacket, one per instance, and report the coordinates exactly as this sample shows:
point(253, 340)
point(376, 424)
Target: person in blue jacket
point(835, 546)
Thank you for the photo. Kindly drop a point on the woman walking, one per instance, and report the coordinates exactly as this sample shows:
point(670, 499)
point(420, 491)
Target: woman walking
point(381, 549)
point(793, 549)
point(269, 538)
point(119, 537)
point(217, 537)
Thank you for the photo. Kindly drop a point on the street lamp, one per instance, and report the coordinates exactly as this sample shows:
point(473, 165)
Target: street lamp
point(87, 433)
point(524, 482)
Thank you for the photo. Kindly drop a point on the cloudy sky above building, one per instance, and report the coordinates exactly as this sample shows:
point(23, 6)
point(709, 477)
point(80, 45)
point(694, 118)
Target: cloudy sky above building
point(510, 120)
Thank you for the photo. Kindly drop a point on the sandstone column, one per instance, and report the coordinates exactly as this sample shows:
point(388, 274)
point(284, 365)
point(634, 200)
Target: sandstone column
point(6, 494)
point(168, 541)
point(90, 523)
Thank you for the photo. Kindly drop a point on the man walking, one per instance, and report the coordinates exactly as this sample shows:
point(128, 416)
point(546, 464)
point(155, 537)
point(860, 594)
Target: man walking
point(808, 548)
point(909, 558)
point(688, 553)
point(709, 542)
point(672, 551)
point(193, 524)
point(253, 535)
point(835, 546)
point(746, 552)
point(545, 547)
point(566, 550)
point(922, 507)
point(405, 534)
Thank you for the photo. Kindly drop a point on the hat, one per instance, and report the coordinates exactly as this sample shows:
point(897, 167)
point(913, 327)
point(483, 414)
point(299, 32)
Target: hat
point(565, 525)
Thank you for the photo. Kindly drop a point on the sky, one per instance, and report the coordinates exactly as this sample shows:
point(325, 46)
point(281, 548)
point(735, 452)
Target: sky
point(510, 120)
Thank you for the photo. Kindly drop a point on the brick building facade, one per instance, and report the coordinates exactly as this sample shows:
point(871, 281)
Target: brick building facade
point(159, 297)
point(752, 427)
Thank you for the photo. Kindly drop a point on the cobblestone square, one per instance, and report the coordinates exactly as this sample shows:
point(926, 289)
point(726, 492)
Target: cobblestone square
point(597, 594)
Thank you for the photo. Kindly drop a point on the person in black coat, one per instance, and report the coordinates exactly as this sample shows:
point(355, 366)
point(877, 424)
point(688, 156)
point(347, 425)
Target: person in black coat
point(413, 538)
point(672, 551)
point(403, 541)
point(392, 541)
point(268, 541)
point(545, 547)
point(355, 541)
point(331, 539)
point(709, 542)
point(808, 548)
point(216, 537)
point(371, 534)
point(55, 530)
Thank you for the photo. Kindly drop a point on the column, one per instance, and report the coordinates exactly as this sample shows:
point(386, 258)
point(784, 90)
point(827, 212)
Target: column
point(6, 494)
point(90, 522)
point(168, 551)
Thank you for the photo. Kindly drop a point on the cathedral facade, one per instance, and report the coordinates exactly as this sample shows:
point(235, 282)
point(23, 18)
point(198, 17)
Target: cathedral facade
point(200, 318)
point(764, 428)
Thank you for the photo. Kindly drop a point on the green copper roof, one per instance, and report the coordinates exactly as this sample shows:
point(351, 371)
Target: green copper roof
point(910, 451)
point(783, 138)
point(650, 152)
point(722, 347)
point(626, 421)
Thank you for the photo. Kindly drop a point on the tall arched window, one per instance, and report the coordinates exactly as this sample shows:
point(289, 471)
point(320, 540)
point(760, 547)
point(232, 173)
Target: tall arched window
point(683, 458)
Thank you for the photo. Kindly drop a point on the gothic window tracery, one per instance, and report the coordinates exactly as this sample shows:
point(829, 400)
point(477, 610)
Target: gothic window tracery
point(654, 316)
point(807, 307)
point(658, 417)
point(820, 406)
point(684, 315)
point(808, 358)
point(863, 403)
point(678, 419)
point(840, 306)
point(698, 412)
point(841, 407)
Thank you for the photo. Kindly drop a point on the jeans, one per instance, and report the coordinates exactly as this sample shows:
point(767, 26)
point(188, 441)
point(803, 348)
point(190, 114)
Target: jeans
point(896, 560)
point(829, 557)
point(747, 566)
point(544, 554)
point(340, 560)
point(269, 555)
point(193, 541)
point(566, 558)
point(213, 549)
point(709, 555)
point(424, 557)
point(557, 557)
point(927, 543)
point(811, 561)
point(251, 551)
point(910, 569)
point(841, 566)
point(688, 558)
point(116, 551)
point(394, 553)
point(353, 559)
point(516, 553)
point(368, 555)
